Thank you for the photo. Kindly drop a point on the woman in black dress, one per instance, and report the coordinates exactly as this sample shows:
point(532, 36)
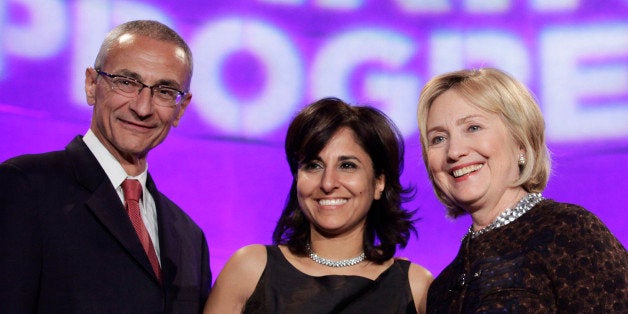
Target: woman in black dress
point(335, 241)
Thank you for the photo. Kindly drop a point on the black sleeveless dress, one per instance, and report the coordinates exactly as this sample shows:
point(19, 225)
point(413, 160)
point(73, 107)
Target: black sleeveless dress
point(284, 289)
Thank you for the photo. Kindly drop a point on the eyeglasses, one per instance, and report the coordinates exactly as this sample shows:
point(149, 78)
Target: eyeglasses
point(165, 96)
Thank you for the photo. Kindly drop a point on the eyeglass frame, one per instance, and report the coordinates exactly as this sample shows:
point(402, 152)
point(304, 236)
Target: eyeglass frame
point(143, 85)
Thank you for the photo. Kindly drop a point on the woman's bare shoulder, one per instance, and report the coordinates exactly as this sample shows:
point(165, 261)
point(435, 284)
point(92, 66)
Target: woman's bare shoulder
point(420, 279)
point(420, 273)
point(237, 280)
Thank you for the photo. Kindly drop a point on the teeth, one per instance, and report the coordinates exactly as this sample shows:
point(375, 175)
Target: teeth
point(326, 202)
point(466, 170)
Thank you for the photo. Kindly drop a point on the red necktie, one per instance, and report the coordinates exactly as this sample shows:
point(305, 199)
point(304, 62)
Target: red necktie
point(132, 190)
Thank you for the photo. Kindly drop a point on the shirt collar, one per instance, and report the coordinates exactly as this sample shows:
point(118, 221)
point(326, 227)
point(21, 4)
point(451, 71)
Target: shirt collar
point(110, 165)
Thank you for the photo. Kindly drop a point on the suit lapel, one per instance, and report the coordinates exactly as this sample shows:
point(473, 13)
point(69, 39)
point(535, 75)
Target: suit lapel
point(104, 202)
point(169, 238)
point(111, 213)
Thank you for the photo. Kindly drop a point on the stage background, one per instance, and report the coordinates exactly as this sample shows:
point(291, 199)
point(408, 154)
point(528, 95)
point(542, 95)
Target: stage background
point(258, 62)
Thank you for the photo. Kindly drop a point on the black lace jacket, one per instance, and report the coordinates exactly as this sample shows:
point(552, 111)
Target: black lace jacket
point(555, 258)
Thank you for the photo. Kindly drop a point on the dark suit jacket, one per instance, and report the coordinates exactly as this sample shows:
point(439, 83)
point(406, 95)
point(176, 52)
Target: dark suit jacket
point(68, 246)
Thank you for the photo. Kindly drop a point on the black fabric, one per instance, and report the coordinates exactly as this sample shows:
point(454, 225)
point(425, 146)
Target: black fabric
point(284, 289)
point(556, 258)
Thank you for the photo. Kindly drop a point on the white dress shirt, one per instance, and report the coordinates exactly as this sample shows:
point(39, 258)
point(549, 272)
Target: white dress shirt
point(117, 175)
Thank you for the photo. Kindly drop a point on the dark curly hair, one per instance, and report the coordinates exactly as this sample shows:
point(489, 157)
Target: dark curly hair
point(387, 223)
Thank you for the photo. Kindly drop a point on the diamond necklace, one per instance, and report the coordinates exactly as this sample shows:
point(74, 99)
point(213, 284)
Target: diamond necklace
point(331, 263)
point(509, 215)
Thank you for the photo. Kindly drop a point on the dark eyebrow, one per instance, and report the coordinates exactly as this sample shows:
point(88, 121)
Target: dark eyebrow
point(340, 158)
point(308, 160)
point(345, 158)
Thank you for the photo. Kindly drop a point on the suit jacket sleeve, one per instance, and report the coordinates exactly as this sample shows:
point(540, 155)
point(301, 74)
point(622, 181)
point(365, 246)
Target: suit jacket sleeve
point(20, 241)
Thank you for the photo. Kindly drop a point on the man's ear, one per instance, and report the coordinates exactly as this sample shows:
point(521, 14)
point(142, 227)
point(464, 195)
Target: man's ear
point(90, 85)
point(184, 104)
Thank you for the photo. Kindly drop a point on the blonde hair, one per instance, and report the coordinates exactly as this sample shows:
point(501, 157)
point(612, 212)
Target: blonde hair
point(497, 92)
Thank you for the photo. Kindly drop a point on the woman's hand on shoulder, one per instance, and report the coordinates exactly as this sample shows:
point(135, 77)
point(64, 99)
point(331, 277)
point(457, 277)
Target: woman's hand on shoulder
point(237, 280)
point(420, 279)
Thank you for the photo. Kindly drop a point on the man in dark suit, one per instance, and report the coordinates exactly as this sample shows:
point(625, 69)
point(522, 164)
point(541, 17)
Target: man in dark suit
point(67, 242)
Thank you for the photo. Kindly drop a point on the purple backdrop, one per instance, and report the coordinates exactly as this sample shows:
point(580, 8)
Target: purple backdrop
point(258, 62)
